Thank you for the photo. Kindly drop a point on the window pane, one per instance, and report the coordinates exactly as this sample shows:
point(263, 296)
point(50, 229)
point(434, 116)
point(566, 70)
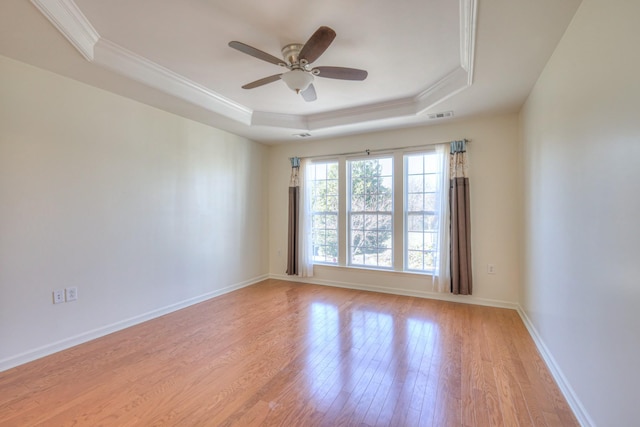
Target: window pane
point(370, 203)
point(421, 214)
point(332, 222)
point(357, 259)
point(429, 260)
point(357, 241)
point(414, 261)
point(332, 204)
point(357, 203)
point(415, 165)
point(415, 241)
point(415, 184)
point(385, 258)
point(430, 241)
point(430, 202)
point(415, 222)
point(318, 221)
point(431, 222)
point(357, 222)
point(430, 182)
point(371, 191)
point(385, 203)
point(371, 241)
point(415, 202)
point(332, 187)
point(385, 185)
point(371, 259)
point(370, 222)
point(385, 222)
point(323, 182)
point(431, 163)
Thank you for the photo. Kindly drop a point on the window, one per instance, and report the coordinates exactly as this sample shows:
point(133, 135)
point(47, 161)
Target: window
point(359, 221)
point(421, 211)
point(323, 184)
point(370, 212)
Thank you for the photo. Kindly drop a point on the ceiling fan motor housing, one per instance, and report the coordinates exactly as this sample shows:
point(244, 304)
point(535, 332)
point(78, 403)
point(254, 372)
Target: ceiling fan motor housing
point(291, 53)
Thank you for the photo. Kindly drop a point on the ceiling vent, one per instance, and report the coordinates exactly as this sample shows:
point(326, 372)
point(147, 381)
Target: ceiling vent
point(444, 115)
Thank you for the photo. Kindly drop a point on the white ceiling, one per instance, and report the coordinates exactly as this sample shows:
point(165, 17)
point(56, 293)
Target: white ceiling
point(423, 56)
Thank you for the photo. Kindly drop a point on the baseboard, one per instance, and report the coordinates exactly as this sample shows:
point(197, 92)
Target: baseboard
point(465, 299)
point(572, 399)
point(66, 343)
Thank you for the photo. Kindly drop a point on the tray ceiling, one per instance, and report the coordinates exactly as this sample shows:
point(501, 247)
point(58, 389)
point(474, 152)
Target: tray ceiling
point(421, 56)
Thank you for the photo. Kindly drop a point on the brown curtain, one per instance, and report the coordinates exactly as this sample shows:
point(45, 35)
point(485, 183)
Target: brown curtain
point(460, 244)
point(294, 208)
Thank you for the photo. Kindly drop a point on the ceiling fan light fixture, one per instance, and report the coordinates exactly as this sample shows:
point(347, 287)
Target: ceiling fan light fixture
point(297, 80)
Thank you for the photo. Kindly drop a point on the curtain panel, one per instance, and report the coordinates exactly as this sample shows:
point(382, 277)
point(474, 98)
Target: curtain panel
point(460, 210)
point(294, 214)
point(441, 277)
point(305, 240)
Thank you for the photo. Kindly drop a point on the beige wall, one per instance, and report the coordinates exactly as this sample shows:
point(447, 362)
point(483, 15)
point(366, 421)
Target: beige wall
point(142, 210)
point(581, 134)
point(495, 204)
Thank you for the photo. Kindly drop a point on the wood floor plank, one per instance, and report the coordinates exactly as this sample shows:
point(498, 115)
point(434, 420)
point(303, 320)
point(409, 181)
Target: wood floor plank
point(285, 353)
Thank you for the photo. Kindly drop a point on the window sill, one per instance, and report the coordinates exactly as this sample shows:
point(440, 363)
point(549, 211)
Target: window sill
point(372, 270)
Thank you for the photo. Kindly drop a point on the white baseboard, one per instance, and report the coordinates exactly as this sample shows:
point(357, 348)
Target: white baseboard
point(572, 399)
point(466, 299)
point(66, 343)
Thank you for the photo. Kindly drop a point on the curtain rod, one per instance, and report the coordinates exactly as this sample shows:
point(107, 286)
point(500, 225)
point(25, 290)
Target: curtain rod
point(368, 151)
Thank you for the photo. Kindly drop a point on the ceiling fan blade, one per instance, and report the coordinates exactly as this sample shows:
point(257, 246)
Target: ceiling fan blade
point(341, 73)
point(317, 44)
point(262, 82)
point(309, 94)
point(256, 53)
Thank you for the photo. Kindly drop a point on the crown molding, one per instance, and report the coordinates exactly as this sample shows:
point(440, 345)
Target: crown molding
point(454, 82)
point(288, 121)
point(115, 57)
point(366, 113)
point(71, 22)
point(468, 14)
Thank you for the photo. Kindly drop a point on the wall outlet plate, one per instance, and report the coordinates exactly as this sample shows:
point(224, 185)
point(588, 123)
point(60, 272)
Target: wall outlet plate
point(71, 293)
point(58, 296)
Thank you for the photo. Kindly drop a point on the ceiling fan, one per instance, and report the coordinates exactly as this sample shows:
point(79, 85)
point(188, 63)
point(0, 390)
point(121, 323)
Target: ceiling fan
point(298, 59)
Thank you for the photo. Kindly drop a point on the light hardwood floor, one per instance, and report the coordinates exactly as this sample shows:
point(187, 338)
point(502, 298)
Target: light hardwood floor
point(282, 353)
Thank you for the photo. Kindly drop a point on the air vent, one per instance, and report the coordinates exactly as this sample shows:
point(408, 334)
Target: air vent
point(444, 115)
point(302, 135)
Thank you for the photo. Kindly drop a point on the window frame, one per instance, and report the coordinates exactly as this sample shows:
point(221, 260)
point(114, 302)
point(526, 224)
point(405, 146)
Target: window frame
point(399, 215)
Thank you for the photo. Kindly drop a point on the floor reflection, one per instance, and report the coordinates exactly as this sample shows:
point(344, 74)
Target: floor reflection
point(365, 359)
point(323, 356)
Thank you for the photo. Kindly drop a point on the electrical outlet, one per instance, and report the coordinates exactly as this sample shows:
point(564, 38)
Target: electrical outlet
point(58, 296)
point(491, 269)
point(72, 293)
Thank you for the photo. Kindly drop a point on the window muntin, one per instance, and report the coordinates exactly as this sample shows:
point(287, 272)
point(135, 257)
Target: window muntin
point(370, 212)
point(323, 185)
point(421, 196)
